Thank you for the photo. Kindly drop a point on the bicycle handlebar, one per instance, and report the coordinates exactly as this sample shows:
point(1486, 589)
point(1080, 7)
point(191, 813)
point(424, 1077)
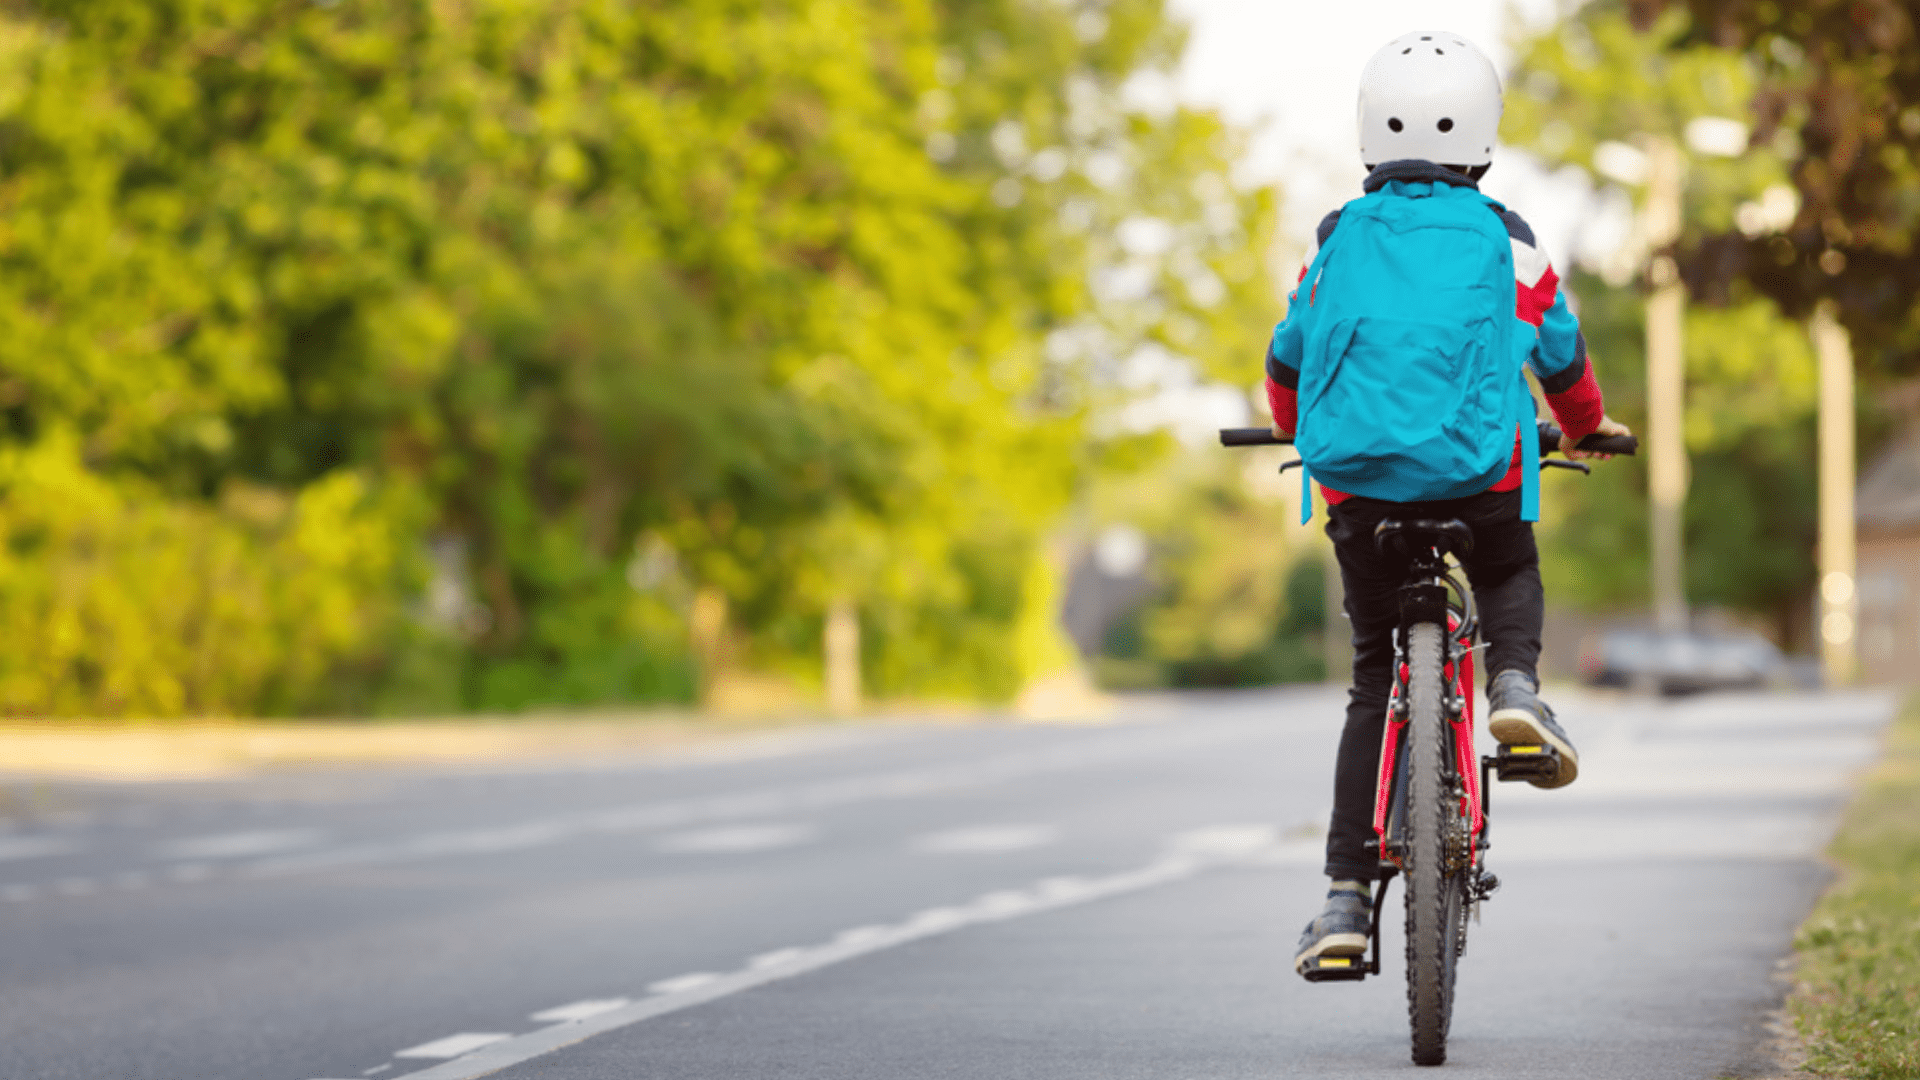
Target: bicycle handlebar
point(1251, 436)
point(1594, 443)
point(1549, 440)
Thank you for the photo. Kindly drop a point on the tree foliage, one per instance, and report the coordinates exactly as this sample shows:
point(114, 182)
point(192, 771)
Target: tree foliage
point(785, 301)
point(1839, 95)
point(1750, 374)
point(1236, 590)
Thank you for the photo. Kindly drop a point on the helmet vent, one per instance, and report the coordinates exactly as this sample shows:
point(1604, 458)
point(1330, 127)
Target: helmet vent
point(1396, 125)
point(1406, 50)
point(1439, 52)
point(1446, 123)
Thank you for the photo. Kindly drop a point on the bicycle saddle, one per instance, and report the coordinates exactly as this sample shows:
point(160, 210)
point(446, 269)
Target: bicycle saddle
point(1402, 538)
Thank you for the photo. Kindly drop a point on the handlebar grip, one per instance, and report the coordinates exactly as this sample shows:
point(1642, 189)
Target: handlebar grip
point(1252, 436)
point(1610, 444)
point(1596, 442)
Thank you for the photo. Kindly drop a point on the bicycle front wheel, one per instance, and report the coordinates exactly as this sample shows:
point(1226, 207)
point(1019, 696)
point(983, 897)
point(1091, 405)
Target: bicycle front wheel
point(1435, 905)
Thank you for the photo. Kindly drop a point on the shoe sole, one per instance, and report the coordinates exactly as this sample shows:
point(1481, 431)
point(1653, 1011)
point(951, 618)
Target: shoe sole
point(1517, 727)
point(1334, 945)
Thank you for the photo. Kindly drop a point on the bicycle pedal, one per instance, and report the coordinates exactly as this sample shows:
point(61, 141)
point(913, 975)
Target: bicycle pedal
point(1334, 968)
point(1526, 761)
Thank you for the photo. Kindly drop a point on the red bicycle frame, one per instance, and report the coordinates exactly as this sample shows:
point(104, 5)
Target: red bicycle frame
point(1458, 674)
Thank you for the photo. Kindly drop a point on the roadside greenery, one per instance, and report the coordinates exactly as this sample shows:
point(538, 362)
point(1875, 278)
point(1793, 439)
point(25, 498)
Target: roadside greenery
point(396, 356)
point(1838, 95)
point(1237, 591)
point(1859, 1004)
point(1751, 383)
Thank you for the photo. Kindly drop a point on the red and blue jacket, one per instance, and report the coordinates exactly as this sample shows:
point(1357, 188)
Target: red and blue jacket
point(1558, 358)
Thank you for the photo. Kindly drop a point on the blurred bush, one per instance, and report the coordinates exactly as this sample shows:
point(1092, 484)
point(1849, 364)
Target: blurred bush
point(369, 357)
point(1237, 589)
point(114, 599)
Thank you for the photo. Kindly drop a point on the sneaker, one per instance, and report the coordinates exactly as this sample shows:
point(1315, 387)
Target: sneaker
point(1342, 928)
point(1518, 718)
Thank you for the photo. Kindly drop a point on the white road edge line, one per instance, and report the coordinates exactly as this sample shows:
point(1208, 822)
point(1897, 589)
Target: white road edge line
point(682, 983)
point(1188, 859)
point(454, 1046)
point(579, 1010)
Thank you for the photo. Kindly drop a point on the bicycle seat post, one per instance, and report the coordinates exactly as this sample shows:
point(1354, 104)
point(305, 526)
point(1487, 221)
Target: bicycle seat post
point(1425, 545)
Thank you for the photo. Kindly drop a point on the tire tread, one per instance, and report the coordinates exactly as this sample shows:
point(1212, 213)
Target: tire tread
point(1430, 932)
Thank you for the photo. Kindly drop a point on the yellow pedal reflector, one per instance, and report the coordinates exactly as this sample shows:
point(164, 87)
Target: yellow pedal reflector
point(1335, 961)
point(1525, 749)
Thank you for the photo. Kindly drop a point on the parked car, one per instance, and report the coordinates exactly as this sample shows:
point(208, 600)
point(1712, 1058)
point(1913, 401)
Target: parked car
point(1690, 662)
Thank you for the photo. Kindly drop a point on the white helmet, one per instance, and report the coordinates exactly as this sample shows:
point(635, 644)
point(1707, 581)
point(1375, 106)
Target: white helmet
point(1429, 95)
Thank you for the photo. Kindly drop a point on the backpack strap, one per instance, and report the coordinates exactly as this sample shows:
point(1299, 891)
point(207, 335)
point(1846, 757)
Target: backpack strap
point(1311, 279)
point(1529, 464)
point(1523, 419)
point(1311, 282)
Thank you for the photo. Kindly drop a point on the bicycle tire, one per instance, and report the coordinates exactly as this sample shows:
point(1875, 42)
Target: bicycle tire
point(1434, 903)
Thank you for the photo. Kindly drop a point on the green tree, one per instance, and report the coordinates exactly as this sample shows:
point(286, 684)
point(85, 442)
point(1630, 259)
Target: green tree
point(788, 300)
point(1238, 592)
point(1839, 98)
point(1750, 387)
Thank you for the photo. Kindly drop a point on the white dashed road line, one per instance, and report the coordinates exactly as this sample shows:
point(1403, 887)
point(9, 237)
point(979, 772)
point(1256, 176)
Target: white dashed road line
point(579, 1010)
point(736, 839)
point(775, 958)
point(682, 983)
point(239, 845)
point(772, 803)
point(454, 1046)
point(35, 847)
point(986, 839)
point(1188, 856)
point(272, 854)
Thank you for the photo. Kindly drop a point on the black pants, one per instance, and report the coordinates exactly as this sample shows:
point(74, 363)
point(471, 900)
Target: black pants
point(1504, 572)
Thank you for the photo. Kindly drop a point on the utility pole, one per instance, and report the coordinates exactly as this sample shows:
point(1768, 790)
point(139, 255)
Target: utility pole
point(707, 629)
point(842, 647)
point(1839, 598)
point(1666, 384)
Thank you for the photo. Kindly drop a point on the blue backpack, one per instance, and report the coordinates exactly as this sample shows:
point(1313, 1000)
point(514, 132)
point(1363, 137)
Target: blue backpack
point(1411, 384)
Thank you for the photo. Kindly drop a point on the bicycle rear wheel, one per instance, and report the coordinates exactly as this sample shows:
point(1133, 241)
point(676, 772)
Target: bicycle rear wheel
point(1435, 904)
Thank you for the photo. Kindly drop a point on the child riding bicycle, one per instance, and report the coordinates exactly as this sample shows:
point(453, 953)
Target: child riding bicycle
point(1398, 373)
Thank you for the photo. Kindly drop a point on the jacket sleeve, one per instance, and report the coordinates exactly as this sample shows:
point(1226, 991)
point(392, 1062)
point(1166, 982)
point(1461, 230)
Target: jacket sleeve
point(1283, 353)
point(1565, 371)
point(1559, 354)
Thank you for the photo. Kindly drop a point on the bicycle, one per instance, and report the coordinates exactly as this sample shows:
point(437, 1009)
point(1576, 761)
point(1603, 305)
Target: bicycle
point(1432, 806)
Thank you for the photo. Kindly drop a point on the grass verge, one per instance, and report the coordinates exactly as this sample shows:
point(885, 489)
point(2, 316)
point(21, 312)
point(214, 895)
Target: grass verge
point(1858, 1006)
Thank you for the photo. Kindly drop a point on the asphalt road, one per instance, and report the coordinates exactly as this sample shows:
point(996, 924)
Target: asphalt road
point(901, 901)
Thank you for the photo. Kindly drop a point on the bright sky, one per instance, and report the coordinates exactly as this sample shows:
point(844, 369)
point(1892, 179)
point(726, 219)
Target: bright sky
point(1290, 70)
